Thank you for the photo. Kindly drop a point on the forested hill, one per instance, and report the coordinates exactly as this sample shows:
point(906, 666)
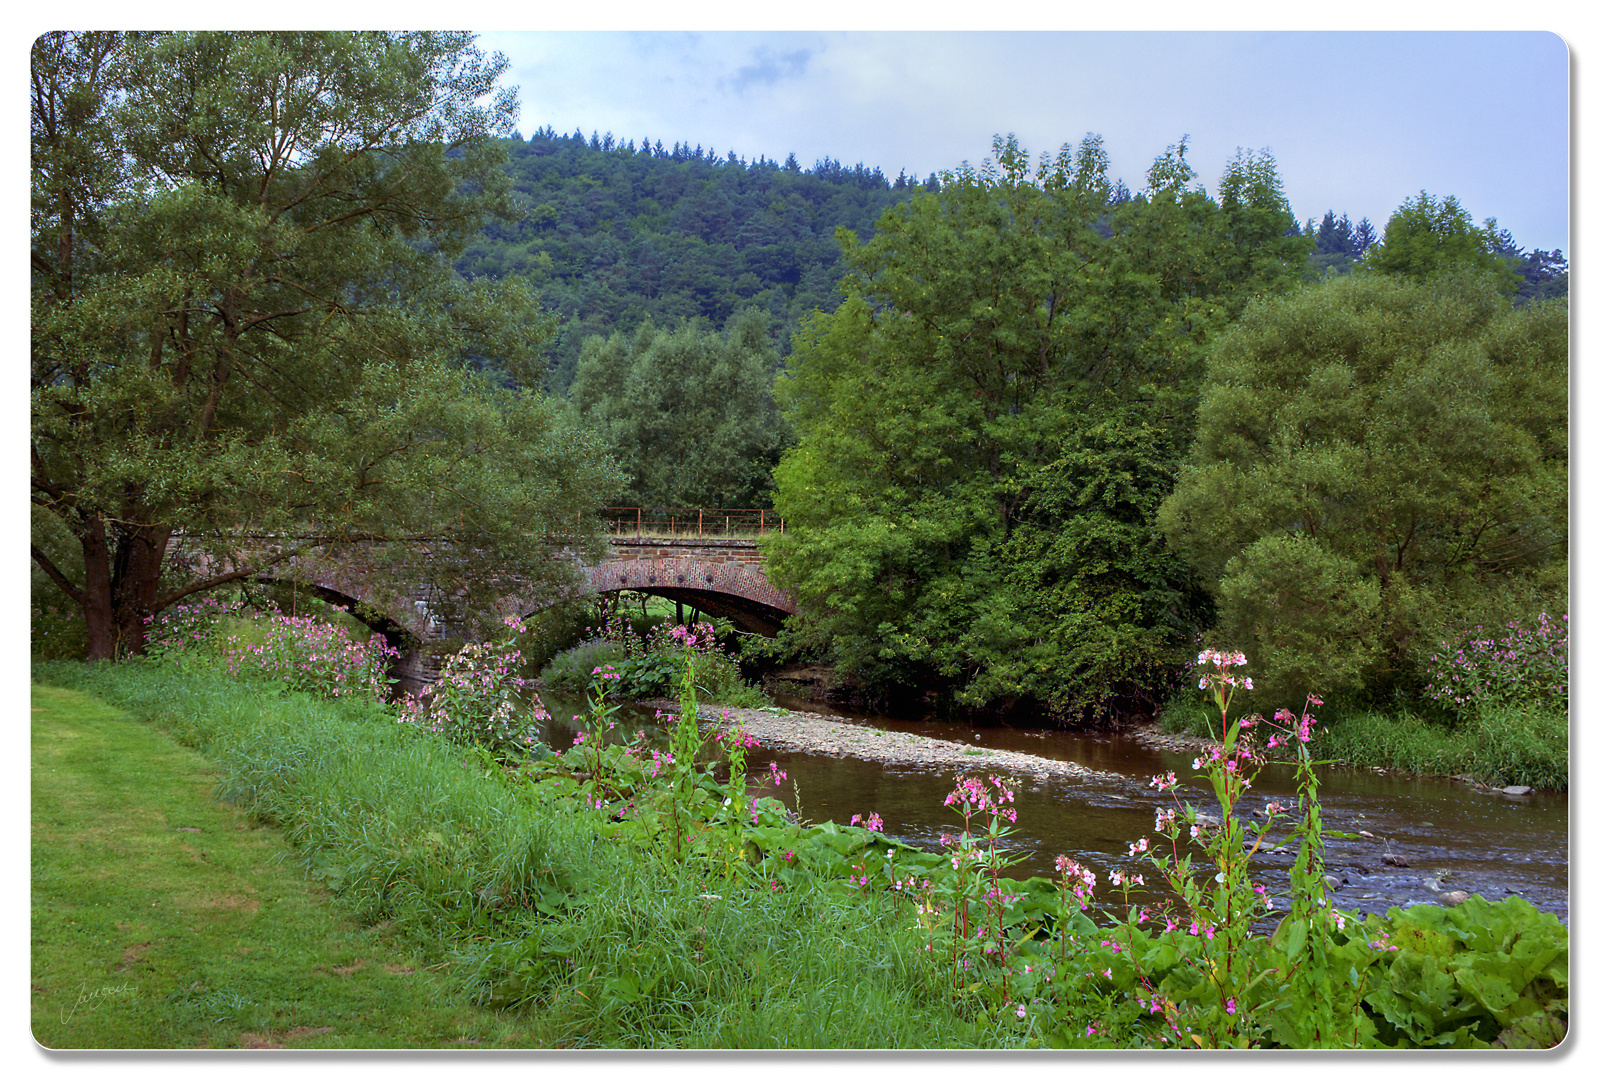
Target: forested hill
point(617, 232)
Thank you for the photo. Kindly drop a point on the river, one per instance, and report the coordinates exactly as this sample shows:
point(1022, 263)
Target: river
point(1427, 828)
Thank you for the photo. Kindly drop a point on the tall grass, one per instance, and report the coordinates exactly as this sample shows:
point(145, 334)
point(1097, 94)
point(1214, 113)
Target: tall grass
point(656, 958)
point(1496, 744)
point(581, 919)
point(533, 908)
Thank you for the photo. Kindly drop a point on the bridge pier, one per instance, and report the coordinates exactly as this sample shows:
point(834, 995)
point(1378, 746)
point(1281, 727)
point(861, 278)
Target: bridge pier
point(414, 670)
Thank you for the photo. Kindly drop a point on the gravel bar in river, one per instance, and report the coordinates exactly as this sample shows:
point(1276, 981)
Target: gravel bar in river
point(810, 733)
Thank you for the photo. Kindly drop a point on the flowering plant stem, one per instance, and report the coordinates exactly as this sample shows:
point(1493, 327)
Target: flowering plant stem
point(975, 864)
point(686, 741)
point(476, 700)
point(737, 802)
point(602, 786)
point(1222, 908)
point(1302, 986)
point(1322, 974)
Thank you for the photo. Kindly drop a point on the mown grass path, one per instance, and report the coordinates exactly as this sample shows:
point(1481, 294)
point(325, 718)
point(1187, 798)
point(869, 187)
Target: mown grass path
point(164, 919)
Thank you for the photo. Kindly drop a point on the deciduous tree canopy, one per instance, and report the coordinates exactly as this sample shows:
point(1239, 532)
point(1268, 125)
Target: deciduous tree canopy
point(246, 332)
point(1428, 236)
point(689, 413)
point(988, 422)
point(1377, 461)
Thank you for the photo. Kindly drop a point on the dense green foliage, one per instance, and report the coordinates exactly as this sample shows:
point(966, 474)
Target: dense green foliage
point(283, 304)
point(615, 233)
point(1339, 245)
point(1377, 463)
point(643, 659)
point(689, 414)
point(1544, 275)
point(248, 336)
point(988, 422)
point(1427, 236)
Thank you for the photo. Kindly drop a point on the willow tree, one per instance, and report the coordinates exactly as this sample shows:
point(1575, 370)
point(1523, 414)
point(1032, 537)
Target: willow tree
point(1377, 462)
point(247, 343)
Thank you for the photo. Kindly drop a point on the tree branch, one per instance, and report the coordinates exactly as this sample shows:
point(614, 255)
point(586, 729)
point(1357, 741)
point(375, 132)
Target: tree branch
point(54, 574)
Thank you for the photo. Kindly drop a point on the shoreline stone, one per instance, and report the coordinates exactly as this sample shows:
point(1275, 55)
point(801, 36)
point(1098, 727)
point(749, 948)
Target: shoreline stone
point(813, 733)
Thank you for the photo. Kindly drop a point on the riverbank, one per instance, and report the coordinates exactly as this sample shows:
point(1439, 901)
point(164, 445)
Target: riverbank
point(562, 924)
point(813, 733)
point(532, 924)
point(1495, 748)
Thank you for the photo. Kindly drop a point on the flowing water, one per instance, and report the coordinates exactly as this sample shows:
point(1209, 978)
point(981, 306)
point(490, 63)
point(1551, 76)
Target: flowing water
point(1438, 829)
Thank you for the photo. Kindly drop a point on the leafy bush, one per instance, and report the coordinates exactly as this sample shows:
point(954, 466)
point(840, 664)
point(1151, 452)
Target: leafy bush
point(552, 631)
point(651, 667)
point(649, 675)
point(309, 654)
point(571, 671)
point(477, 701)
point(1526, 666)
point(1481, 974)
point(305, 652)
point(1499, 713)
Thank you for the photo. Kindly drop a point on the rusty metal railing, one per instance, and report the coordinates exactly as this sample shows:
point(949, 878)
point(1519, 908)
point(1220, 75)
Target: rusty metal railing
point(670, 521)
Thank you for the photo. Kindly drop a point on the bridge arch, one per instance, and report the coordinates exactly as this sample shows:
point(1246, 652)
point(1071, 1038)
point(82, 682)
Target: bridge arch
point(723, 578)
point(404, 625)
point(730, 590)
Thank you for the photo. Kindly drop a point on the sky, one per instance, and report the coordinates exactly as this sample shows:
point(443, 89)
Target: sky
point(1357, 121)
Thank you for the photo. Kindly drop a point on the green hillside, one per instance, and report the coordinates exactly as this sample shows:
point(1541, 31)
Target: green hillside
point(616, 232)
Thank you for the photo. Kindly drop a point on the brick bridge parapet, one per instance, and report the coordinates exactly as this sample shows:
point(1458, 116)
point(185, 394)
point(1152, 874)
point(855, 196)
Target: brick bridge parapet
point(699, 548)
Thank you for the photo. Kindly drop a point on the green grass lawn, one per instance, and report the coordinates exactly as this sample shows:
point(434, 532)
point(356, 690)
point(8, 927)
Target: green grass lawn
point(162, 918)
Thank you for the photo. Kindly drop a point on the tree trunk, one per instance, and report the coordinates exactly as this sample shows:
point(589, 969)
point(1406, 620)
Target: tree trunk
point(119, 588)
point(96, 599)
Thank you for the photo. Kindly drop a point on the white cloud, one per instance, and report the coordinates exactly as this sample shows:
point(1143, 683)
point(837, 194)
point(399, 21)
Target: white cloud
point(1357, 121)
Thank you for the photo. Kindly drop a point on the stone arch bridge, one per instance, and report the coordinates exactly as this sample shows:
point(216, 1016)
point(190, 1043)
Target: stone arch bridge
point(719, 576)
